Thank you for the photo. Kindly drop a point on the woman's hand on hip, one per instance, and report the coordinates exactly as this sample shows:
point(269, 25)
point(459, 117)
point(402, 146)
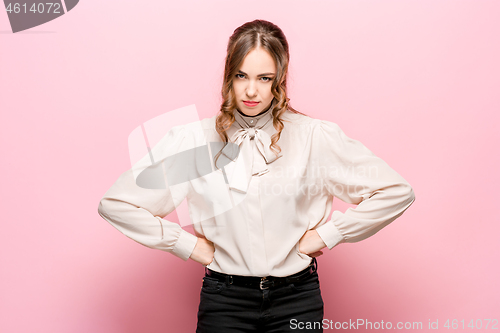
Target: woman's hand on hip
point(311, 243)
point(203, 252)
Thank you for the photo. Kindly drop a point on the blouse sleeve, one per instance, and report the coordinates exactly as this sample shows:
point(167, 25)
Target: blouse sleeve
point(355, 175)
point(138, 210)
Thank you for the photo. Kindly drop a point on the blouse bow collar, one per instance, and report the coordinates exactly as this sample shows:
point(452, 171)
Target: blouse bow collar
point(255, 128)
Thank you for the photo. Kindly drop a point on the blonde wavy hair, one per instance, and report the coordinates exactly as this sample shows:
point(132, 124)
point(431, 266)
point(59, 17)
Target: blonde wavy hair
point(249, 36)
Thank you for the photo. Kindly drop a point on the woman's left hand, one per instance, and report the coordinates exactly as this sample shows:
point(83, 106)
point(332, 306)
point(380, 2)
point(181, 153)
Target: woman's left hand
point(311, 244)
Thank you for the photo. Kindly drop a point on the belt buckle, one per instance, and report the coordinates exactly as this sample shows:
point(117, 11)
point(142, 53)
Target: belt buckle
point(262, 280)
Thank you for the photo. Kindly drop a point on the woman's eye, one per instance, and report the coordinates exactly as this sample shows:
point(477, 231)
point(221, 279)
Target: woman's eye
point(264, 78)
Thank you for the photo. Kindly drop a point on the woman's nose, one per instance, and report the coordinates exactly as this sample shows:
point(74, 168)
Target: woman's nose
point(251, 90)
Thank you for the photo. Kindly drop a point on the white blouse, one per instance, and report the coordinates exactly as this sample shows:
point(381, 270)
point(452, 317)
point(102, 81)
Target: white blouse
point(256, 206)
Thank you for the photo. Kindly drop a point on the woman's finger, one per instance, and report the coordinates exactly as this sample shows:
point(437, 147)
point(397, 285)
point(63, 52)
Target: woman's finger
point(315, 254)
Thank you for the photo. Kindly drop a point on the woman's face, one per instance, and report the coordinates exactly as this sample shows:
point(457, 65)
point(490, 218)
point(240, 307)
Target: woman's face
point(253, 81)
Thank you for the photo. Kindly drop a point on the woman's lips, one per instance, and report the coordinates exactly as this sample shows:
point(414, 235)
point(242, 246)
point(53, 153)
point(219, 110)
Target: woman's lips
point(250, 103)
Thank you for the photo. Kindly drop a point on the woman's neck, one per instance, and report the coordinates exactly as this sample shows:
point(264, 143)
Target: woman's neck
point(256, 114)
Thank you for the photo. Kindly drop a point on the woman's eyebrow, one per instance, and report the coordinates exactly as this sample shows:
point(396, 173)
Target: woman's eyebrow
point(264, 74)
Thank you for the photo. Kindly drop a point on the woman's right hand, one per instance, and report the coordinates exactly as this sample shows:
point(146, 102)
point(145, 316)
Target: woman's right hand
point(203, 252)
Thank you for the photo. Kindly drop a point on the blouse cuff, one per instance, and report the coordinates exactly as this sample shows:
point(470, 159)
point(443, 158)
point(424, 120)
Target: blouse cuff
point(330, 234)
point(185, 245)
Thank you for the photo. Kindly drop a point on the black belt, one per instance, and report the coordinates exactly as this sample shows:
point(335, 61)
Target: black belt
point(265, 282)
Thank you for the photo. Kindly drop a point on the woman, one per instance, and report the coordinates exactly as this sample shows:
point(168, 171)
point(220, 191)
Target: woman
point(259, 235)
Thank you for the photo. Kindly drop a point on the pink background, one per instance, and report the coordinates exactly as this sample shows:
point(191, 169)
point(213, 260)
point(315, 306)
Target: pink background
point(416, 81)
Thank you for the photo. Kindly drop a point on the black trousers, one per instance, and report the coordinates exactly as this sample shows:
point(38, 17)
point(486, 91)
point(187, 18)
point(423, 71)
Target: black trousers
point(227, 308)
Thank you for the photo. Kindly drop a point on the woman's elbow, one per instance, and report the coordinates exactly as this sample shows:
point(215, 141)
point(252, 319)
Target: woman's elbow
point(102, 208)
point(409, 194)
